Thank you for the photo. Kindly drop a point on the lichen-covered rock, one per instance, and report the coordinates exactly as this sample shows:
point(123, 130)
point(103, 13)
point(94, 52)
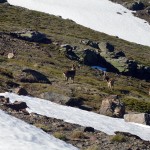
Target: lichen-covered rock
point(111, 106)
point(142, 118)
point(32, 36)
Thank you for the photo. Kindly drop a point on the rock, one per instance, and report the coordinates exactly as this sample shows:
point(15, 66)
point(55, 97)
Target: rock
point(32, 76)
point(92, 58)
point(20, 91)
point(134, 6)
point(111, 106)
point(106, 47)
point(120, 54)
point(11, 55)
point(61, 99)
point(89, 129)
point(31, 36)
point(74, 102)
point(85, 107)
point(142, 118)
point(17, 105)
point(90, 43)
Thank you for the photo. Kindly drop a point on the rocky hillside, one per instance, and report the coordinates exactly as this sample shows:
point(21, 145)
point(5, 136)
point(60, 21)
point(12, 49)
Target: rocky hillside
point(36, 48)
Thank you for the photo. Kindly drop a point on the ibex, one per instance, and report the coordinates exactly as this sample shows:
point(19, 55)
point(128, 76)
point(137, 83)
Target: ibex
point(70, 73)
point(110, 81)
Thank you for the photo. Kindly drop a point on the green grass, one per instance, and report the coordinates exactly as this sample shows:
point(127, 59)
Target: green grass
point(51, 63)
point(118, 138)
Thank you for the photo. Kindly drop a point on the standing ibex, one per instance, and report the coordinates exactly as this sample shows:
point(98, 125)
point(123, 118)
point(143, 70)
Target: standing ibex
point(70, 73)
point(110, 81)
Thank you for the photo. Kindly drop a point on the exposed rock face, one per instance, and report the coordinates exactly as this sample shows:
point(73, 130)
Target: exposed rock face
point(111, 106)
point(20, 91)
point(61, 99)
point(17, 105)
point(90, 43)
point(32, 76)
point(142, 118)
point(134, 6)
point(106, 47)
point(31, 36)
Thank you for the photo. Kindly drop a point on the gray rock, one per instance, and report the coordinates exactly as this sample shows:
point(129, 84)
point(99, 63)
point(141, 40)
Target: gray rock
point(142, 118)
point(32, 76)
point(106, 47)
point(111, 106)
point(61, 99)
point(32, 36)
point(20, 91)
point(135, 5)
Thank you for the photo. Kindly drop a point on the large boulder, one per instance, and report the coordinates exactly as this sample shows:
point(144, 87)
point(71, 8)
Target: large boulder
point(32, 76)
point(90, 43)
point(92, 58)
point(62, 99)
point(106, 47)
point(31, 36)
point(111, 106)
point(137, 5)
point(142, 118)
point(20, 91)
point(17, 105)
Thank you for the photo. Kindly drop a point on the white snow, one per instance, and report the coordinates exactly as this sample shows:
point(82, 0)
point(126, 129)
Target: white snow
point(99, 15)
point(18, 135)
point(74, 115)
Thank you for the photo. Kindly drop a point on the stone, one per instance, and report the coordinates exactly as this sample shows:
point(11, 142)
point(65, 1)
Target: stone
point(32, 76)
point(106, 47)
point(89, 129)
point(142, 118)
point(31, 36)
point(61, 99)
point(111, 106)
point(20, 91)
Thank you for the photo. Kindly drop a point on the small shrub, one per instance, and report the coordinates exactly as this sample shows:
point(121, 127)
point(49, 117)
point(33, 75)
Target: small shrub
point(77, 135)
point(118, 138)
point(59, 135)
point(43, 127)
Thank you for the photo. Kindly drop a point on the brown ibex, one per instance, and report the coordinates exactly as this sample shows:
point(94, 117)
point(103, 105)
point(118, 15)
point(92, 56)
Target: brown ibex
point(70, 73)
point(110, 81)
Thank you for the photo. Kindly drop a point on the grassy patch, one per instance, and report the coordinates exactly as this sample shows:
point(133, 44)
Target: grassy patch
point(59, 135)
point(118, 138)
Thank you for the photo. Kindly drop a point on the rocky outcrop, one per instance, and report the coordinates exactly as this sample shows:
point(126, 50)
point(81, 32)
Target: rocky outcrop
point(20, 91)
point(137, 5)
point(31, 36)
point(142, 118)
point(17, 105)
point(32, 76)
point(111, 106)
point(61, 99)
point(90, 43)
point(106, 47)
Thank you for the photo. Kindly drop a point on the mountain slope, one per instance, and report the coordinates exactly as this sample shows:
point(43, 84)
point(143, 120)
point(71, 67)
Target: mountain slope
point(103, 16)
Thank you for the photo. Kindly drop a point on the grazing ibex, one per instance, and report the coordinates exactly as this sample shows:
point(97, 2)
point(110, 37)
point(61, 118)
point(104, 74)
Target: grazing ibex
point(110, 81)
point(70, 73)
